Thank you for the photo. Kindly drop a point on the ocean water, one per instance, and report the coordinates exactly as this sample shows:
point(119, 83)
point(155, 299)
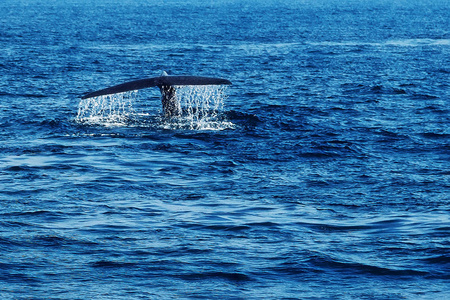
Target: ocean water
point(322, 173)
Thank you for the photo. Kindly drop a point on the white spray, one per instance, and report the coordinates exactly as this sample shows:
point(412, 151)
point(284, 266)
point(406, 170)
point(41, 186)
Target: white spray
point(201, 107)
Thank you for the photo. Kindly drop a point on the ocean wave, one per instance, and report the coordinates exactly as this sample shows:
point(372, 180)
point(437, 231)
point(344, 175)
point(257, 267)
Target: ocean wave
point(229, 276)
point(390, 43)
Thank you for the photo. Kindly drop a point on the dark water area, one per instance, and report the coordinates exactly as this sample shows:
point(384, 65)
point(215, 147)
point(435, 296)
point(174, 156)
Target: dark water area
point(328, 176)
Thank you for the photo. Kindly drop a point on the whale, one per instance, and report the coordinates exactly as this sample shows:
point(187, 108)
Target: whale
point(167, 85)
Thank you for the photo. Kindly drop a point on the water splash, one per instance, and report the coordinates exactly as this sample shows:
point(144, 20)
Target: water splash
point(114, 109)
point(202, 106)
point(201, 110)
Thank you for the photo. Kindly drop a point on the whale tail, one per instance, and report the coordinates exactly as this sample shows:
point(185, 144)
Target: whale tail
point(171, 105)
point(167, 85)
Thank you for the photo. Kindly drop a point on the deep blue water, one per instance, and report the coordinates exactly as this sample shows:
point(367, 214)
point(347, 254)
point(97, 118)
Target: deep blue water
point(332, 181)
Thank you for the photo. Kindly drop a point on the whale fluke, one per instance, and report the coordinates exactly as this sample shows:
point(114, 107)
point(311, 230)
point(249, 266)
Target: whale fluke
point(166, 84)
point(158, 82)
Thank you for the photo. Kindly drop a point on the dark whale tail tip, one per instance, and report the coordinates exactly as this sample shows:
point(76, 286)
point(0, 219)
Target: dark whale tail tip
point(163, 80)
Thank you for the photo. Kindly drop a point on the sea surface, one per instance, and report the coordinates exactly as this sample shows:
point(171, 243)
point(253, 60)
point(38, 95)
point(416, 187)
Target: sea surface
point(323, 172)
